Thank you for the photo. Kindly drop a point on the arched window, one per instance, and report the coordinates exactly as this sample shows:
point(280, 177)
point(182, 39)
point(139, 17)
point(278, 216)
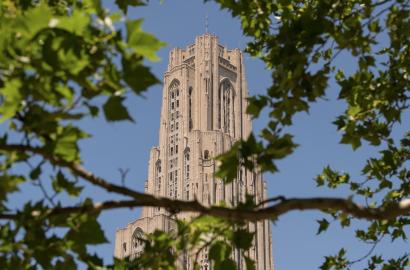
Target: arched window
point(174, 84)
point(225, 105)
point(173, 94)
point(173, 117)
point(137, 242)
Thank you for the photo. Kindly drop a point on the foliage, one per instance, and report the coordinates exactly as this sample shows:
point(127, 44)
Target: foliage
point(65, 61)
point(60, 62)
point(202, 235)
point(300, 42)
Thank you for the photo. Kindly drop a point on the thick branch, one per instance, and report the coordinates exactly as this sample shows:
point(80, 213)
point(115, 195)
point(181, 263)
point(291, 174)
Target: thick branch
point(347, 206)
point(140, 199)
point(287, 205)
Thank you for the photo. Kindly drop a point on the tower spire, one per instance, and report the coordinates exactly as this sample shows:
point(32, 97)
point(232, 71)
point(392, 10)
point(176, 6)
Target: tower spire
point(206, 23)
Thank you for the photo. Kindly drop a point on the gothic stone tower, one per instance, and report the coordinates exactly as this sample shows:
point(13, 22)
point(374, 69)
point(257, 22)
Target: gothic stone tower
point(203, 114)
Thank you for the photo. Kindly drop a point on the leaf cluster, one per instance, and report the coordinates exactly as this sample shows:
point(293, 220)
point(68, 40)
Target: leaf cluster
point(356, 51)
point(61, 63)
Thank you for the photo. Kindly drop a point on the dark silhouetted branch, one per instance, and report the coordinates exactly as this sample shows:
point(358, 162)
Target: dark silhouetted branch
point(139, 199)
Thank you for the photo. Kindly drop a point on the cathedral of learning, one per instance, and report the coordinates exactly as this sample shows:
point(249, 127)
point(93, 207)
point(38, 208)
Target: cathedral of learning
point(203, 114)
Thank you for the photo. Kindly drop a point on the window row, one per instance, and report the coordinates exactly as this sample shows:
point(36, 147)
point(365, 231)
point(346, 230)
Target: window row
point(175, 104)
point(157, 176)
point(158, 185)
point(174, 115)
point(174, 93)
point(173, 176)
point(173, 139)
point(173, 193)
point(187, 171)
point(173, 184)
point(173, 163)
point(173, 150)
point(174, 126)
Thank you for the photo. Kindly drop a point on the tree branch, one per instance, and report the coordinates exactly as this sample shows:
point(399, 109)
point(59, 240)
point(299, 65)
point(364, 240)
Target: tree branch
point(345, 205)
point(77, 169)
point(285, 205)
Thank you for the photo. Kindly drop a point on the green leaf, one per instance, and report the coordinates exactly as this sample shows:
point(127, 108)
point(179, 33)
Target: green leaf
point(219, 251)
point(323, 225)
point(332, 178)
point(141, 42)
point(227, 264)
point(67, 263)
point(229, 163)
point(256, 104)
point(76, 23)
point(34, 20)
point(66, 142)
point(9, 184)
point(114, 110)
point(250, 264)
point(243, 239)
point(85, 229)
point(123, 4)
point(12, 98)
point(61, 183)
point(35, 173)
point(137, 76)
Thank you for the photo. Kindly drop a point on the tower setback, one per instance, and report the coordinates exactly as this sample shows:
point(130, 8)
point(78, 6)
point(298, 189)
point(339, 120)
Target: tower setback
point(203, 115)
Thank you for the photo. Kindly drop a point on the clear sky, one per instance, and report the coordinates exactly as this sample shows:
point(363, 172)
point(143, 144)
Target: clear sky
point(127, 145)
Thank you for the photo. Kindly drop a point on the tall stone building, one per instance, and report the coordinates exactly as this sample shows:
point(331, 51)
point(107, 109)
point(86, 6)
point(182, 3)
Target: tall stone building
point(203, 114)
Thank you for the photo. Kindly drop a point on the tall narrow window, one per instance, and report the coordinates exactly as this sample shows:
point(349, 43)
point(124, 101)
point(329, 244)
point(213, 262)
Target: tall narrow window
point(173, 95)
point(187, 173)
point(190, 108)
point(137, 243)
point(225, 106)
point(173, 115)
point(157, 186)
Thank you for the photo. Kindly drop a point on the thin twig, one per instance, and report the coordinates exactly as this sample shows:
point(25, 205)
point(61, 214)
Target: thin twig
point(369, 252)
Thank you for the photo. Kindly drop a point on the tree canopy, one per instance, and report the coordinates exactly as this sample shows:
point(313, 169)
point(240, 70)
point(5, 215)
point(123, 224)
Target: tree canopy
point(63, 61)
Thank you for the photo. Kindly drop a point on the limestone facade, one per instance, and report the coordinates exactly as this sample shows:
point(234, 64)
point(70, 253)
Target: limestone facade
point(203, 114)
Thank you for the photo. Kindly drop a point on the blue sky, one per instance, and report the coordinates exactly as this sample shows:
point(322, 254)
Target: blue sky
point(295, 244)
point(127, 145)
